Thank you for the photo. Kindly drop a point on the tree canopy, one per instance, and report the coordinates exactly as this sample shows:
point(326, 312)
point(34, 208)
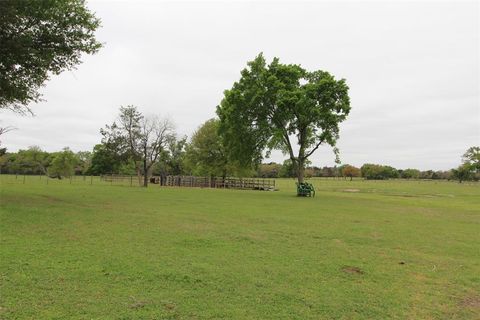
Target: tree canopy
point(378, 172)
point(272, 103)
point(472, 158)
point(350, 171)
point(470, 167)
point(63, 164)
point(206, 152)
point(39, 38)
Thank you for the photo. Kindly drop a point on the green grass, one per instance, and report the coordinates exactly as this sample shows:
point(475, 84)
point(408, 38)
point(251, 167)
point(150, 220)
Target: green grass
point(358, 250)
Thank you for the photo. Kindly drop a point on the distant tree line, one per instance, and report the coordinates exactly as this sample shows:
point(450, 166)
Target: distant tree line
point(469, 170)
point(367, 171)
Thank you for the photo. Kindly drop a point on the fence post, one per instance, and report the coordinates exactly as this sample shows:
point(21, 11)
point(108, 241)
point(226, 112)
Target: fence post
point(111, 181)
point(91, 180)
point(131, 180)
point(24, 179)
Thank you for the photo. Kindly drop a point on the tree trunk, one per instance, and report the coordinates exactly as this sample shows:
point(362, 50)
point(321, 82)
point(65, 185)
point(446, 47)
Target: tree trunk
point(300, 171)
point(139, 174)
point(145, 173)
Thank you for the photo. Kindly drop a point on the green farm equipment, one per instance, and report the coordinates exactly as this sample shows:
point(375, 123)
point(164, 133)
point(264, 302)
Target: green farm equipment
point(305, 189)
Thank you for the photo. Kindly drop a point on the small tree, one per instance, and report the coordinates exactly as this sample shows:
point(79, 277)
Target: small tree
point(33, 160)
point(63, 164)
point(175, 155)
point(271, 104)
point(105, 160)
point(84, 161)
point(378, 172)
point(462, 173)
point(154, 136)
point(269, 170)
point(410, 174)
point(205, 154)
point(350, 171)
point(138, 138)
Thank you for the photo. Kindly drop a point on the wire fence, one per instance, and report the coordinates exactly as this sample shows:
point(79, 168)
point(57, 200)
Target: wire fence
point(135, 181)
point(132, 181)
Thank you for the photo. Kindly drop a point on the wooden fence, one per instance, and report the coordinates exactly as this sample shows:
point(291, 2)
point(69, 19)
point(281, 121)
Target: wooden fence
point(215, 182)
point(196, 182)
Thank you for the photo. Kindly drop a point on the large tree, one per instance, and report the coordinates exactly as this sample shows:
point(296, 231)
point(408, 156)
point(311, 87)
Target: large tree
point(39, 38)
point(272, 104)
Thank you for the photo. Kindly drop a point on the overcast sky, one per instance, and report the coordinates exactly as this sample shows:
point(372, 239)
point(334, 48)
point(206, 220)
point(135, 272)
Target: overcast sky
point(412, 68)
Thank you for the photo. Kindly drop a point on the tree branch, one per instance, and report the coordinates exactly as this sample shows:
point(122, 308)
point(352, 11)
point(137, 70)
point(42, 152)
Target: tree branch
point(314, 149)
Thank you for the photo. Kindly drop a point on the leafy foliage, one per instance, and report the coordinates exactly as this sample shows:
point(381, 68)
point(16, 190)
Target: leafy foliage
point(463, 173)
point(206, 153)
point(172, 159)
point(63, 164)
point(269, 170)
point(410, 174)
point(39, 38)
point(470, 168)
point(472, 158)
point(104, 160)
point(350, 171)
point(378, 172)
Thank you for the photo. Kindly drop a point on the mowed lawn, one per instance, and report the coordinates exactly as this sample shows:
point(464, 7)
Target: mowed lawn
point(358, 250)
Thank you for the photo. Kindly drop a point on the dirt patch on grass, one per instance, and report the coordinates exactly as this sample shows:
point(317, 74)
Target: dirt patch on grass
point(351, 190)
point(472, 302)
point(352, 270)
point(137, 304)
point(169, 306)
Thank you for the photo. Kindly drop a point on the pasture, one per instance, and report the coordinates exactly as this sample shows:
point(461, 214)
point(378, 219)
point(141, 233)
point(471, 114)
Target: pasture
point(358, 250)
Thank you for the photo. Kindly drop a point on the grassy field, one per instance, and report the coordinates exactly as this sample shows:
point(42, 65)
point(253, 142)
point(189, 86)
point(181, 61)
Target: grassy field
point(358, 250)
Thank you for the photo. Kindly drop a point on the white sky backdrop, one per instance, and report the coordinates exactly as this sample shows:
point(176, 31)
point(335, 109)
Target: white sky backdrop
point(412, 68)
